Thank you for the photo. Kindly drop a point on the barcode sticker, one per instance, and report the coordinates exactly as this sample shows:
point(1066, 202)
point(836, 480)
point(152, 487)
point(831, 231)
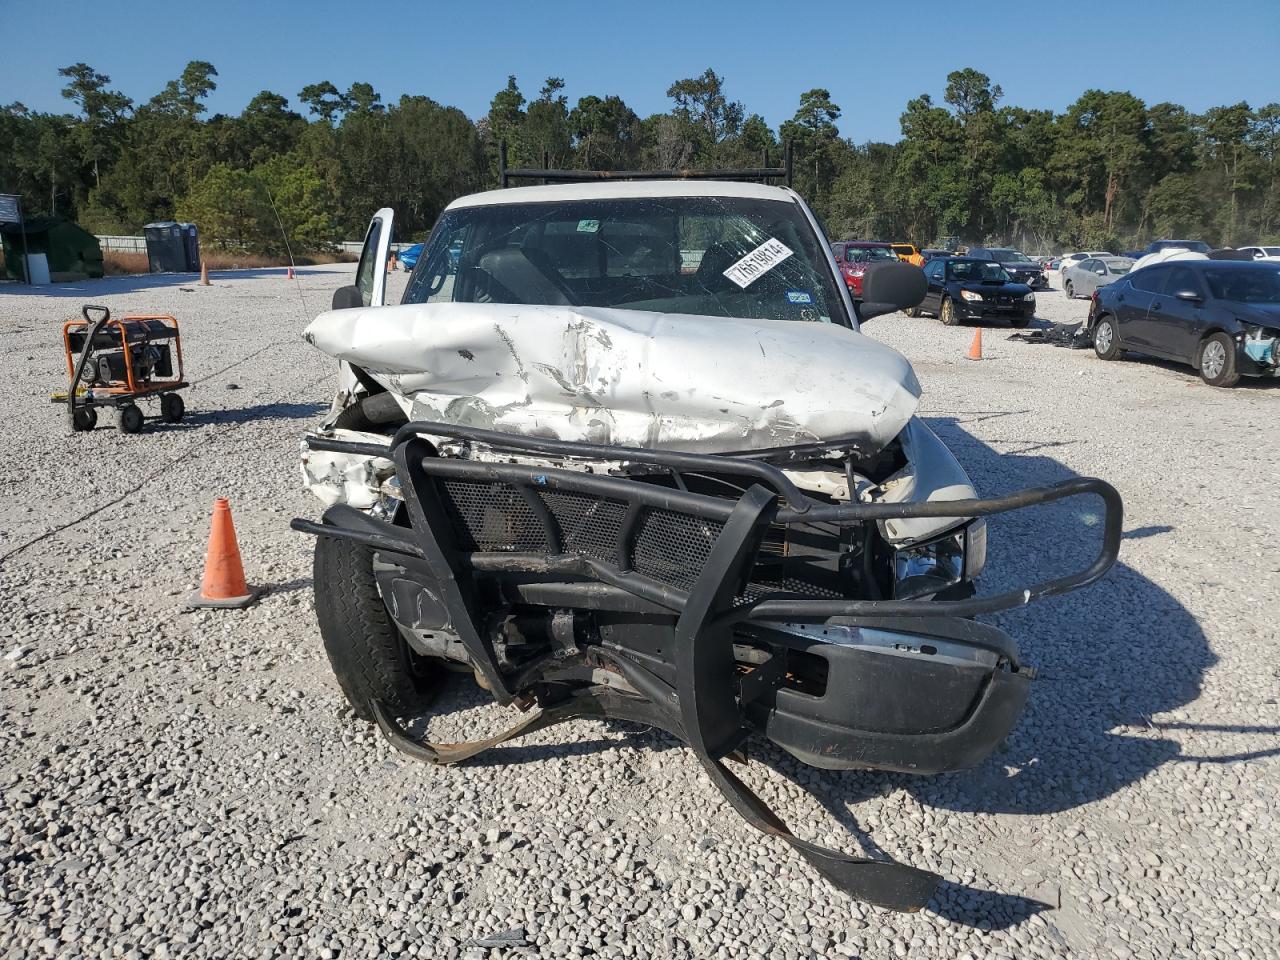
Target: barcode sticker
point(758, 262)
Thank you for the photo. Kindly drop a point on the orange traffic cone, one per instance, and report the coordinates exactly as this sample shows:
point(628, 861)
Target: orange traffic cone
point(975, 348)
point(290, 275)
point(224, 584)
point(204, 274)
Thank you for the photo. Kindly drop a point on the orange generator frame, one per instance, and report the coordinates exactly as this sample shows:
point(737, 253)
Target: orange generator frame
point(117, 362)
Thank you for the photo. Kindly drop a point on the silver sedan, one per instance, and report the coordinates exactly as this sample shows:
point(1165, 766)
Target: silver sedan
point(1083, 277)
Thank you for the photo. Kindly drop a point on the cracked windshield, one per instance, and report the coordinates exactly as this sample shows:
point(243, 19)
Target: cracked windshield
point(704, 256)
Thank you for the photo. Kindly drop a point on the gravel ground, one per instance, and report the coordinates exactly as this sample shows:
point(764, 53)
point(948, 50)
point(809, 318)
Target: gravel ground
point(179, 784)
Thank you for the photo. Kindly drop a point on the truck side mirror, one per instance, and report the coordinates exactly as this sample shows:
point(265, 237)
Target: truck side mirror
point(344, 298)
point(890, 285)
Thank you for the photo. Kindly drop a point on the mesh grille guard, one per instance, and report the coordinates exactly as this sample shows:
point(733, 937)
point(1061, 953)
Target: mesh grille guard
point(653, 541)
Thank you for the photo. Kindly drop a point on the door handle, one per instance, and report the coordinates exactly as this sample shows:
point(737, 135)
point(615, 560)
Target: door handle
point(1120, 298)
point(1157, 305)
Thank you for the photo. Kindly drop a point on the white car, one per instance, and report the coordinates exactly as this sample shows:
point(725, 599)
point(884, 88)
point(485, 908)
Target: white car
point(1262, 253)
point(1074, 259)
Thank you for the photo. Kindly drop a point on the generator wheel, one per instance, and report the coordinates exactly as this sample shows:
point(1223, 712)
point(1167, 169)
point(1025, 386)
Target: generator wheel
point(172, 408)
point(369, 657)
point(84, 418)
point(128, 418)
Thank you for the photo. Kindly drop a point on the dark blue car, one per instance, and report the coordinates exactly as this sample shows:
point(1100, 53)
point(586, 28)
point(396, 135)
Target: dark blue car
point(409, 255)
point(1220, 316)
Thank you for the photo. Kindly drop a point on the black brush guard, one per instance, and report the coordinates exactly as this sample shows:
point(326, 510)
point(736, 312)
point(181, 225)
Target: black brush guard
point(628, 545)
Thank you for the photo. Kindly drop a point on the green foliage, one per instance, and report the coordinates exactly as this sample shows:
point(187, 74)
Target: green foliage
point(701, 102)
point(232, 210)
point(1108, 172)
point(304, 202)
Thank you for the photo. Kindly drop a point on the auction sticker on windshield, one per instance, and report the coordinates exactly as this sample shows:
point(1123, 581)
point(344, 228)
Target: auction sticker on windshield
point(758, 262)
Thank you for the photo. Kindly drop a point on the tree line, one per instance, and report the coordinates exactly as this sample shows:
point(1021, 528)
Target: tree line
point(1109, 172)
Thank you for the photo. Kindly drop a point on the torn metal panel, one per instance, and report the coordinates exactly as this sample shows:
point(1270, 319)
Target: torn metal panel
point(627, 377)
point(931, 474)
point(351, 478)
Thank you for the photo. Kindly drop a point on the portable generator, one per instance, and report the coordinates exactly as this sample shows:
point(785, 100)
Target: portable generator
point(117, 362)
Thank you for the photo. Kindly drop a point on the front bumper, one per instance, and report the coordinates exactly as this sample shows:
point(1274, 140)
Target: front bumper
point(666, 584)
point(974, 310)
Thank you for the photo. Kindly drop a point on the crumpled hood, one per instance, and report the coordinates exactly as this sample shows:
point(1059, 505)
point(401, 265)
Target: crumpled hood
point(627, 377)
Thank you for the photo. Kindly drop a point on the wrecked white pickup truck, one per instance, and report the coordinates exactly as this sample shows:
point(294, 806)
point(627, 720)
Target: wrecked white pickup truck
point(622, 452)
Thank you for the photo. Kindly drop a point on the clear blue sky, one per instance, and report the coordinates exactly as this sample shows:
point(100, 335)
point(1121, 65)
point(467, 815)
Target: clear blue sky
point(872, 56)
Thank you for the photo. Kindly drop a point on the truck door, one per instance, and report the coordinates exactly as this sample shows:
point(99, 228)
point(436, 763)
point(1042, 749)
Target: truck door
point(371, 272)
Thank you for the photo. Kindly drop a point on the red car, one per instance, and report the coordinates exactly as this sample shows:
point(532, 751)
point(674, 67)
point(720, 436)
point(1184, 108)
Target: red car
point(853, 256)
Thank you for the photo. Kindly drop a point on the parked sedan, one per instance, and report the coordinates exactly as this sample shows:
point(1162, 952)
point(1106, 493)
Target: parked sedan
point(1220, 316)
point(1018, 265)
point(1071, 259)
point(967, 288)
point(853, 256)
point(1085, 276)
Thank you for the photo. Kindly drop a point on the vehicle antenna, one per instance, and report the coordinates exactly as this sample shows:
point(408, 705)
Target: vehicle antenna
point(306, 314)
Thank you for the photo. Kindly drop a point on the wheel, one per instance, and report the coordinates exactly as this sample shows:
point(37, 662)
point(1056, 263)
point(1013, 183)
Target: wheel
point(128, 418)
point(913, 312)
point(368, 655)
point(1218, 361)
point(84, 418)
point(172, 409)
point(1105, 342)
point(948, 313)
point(1066, 287)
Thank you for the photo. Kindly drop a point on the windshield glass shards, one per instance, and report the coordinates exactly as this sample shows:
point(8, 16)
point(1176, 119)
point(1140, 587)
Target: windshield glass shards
point(708, 256)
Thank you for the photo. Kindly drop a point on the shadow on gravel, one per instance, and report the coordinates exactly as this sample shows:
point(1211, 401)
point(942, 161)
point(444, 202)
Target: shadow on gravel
point(1109, 656)
point(261, 411)
point(1141, 533)
point(1193, 376)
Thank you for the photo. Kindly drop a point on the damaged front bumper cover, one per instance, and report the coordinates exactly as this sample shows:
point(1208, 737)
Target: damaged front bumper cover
point(911, 685)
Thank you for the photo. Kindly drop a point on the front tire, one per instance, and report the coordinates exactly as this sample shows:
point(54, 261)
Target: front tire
point(1106, 344)
point(912, 312)
point(1067, 289)
point(947, 313)
point(369, 657)
point(1218, 361)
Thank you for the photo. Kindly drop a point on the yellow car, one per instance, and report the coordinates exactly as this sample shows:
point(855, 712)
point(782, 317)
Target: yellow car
point(909, 253)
